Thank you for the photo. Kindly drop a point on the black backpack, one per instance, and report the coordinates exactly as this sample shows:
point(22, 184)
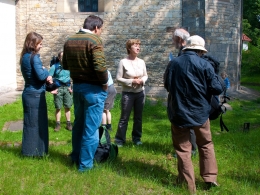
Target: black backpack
point(217, 109)
point(105, 150)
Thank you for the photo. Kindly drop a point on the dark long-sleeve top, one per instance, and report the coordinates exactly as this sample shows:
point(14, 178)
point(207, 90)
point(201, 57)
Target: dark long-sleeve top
point(83, 55)
point(34, 75)
point(191, 81)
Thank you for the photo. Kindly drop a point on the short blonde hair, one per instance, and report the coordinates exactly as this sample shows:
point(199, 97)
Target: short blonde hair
point(131, 42)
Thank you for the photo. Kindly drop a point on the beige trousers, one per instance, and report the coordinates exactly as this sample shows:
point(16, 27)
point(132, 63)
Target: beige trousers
point(207, 160)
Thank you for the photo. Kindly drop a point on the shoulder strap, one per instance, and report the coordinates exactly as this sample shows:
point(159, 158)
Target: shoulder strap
point(222, 125)
point(58, 68)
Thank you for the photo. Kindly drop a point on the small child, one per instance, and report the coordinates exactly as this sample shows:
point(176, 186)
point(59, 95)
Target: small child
point(109, 103)
point(227, 83)
point(226, 80)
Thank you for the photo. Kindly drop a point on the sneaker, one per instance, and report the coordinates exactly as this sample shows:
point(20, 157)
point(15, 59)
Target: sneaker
point(57, 127)
point(138, 143)
point(211, 184)
point(119, 145)
point(69, 127)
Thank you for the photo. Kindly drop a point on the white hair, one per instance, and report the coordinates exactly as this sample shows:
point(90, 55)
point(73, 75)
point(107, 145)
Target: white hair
point(183, 34)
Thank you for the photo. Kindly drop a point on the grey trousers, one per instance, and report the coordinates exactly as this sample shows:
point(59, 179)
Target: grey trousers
point(130, 101)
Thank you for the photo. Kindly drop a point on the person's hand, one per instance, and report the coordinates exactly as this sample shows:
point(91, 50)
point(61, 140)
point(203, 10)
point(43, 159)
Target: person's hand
point(104, 87)
point(140, 81)
point(70, 90)
point(54, 91)
point(136, 82)
point(49, 79)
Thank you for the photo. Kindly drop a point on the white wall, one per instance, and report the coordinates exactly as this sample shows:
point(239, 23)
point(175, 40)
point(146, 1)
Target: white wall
point(245, 45)
point(7, 46)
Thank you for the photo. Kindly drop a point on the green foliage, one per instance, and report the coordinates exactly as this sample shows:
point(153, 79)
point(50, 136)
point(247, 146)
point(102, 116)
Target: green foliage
point(251, 20)
point(251, 61)
point(148, 169)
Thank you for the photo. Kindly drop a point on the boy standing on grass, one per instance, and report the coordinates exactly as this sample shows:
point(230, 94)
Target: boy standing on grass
point(62, 96)
point(109, 103)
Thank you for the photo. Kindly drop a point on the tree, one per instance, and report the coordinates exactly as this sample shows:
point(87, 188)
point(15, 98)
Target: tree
point(251, 20)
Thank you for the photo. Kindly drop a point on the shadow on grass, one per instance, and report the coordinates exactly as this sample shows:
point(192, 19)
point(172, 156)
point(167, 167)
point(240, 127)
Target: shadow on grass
point(145, 171)
point(246, 178)
point(52, 156)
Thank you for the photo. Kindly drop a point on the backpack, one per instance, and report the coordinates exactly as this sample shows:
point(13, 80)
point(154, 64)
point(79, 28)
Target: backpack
point(105, 150)
point(54, 60)
point(216, 108)
point(58, 68)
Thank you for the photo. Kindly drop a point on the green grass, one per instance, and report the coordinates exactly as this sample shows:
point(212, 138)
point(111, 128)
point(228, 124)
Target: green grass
point(147, 169)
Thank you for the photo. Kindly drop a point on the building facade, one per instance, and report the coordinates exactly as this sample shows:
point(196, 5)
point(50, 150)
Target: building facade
point(151, 21)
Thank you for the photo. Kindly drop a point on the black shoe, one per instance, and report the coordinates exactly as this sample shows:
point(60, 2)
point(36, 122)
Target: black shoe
point(211, 184)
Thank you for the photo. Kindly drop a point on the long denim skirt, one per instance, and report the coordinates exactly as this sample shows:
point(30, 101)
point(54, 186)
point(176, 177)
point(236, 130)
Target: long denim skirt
point(35, 124)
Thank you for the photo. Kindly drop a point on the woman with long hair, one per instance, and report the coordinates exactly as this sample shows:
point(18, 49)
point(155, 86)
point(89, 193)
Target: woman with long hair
point(35, 140)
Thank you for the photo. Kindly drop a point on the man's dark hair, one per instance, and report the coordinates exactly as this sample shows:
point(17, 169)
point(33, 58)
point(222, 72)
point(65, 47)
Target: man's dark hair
point(92, 22)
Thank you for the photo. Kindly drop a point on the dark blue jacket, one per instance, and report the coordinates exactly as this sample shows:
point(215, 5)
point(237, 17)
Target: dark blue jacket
point(191, 81)
point(35, 76)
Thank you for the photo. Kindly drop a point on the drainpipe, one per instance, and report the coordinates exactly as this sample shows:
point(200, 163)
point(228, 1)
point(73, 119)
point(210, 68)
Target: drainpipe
point(241, 48)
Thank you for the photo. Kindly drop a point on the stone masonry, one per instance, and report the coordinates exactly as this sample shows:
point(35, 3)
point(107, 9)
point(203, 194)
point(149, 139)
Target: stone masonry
point(152, 21)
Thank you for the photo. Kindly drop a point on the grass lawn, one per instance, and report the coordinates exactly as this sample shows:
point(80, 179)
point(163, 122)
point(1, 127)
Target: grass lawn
point(146, 169)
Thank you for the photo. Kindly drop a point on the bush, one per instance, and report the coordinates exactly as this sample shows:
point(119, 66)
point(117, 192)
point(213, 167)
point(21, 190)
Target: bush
point(250, 60)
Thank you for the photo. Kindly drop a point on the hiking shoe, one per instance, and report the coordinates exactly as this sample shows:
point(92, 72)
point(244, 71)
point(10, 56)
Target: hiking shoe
point(69, 126)
point(138, 143)
point(57, 127)
point(211, 184)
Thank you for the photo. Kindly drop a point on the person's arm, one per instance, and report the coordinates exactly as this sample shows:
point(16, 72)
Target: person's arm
point(52, 70)
point(145, 76)
point(100, 64)
point(216, 84)
point(166, 77)
point(40, 71)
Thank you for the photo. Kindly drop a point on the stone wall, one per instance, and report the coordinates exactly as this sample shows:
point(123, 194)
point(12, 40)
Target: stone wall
point(149, 20)
point(219, 23)
point(143, 19)
point(223, 32)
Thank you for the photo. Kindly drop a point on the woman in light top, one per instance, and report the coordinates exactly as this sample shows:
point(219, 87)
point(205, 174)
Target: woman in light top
point(131, 75)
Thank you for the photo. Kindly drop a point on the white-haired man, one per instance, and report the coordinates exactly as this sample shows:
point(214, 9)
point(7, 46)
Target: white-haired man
point(179, 38)
point(191, 82)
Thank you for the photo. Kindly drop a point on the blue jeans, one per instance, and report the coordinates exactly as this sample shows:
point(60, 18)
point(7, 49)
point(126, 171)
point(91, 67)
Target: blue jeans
point(88, 102)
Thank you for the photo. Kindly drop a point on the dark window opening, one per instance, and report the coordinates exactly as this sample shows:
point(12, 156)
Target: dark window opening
point(88, 5)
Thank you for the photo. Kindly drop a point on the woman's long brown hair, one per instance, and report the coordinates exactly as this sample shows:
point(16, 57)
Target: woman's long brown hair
point(30, 44)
